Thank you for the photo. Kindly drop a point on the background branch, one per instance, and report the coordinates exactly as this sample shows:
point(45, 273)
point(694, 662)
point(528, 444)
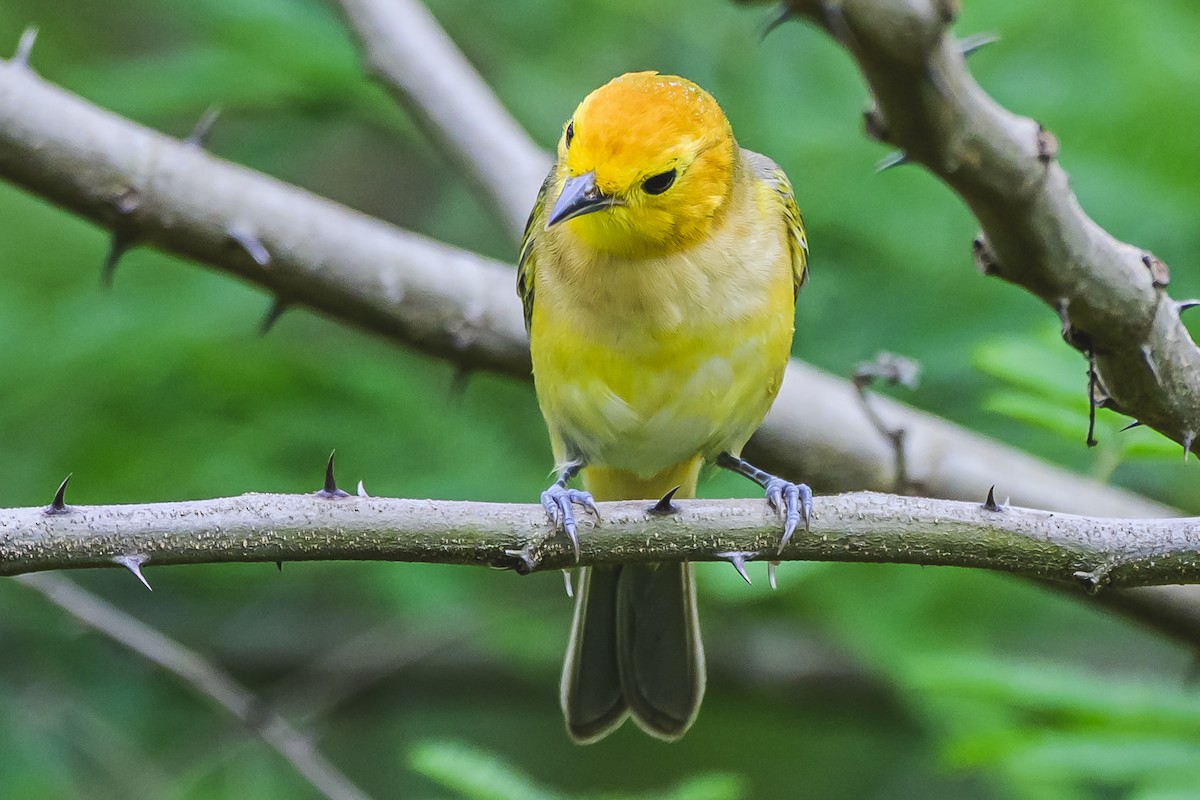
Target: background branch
point(857, 527)
point(203, 676)
point(408, 51)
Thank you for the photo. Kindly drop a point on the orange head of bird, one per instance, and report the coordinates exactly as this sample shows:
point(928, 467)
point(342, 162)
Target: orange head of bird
point(644, 166)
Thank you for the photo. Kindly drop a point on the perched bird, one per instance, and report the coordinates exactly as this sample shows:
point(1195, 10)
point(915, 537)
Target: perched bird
point(658, 273)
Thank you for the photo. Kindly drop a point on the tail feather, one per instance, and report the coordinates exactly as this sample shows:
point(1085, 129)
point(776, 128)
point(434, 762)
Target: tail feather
point(592, 700)
point(635, 643)
point(660, 657)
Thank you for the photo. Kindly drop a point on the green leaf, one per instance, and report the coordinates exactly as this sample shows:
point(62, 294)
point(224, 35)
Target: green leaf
point(474, 774)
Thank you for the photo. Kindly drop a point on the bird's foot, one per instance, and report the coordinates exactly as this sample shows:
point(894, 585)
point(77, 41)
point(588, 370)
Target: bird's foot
point(557, 500)
point(793, 501)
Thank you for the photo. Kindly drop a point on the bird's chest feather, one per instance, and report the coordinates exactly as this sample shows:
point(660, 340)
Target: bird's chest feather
point(640, 365)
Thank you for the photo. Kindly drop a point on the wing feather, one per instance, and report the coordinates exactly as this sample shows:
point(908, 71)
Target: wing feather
point(527, 262)
point(773, 176)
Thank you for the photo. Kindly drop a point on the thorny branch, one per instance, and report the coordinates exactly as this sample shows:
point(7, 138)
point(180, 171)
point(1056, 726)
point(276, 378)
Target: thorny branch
point(1111, 296)
point(860, 526)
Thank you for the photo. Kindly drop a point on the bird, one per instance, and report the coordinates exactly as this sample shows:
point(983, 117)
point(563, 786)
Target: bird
point(658, 275)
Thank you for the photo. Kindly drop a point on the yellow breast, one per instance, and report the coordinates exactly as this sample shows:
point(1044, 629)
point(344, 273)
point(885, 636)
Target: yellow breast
point(643, 363)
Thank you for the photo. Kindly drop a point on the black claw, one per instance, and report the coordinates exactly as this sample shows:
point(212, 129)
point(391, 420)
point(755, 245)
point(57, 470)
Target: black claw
point(665, 506)
point(203, 126)
point(278, 306)
point(1136, 423)
point(976, 42)
point(58, 505)
point(569, 528)
point(990, 504)
point(279, 565)
point(331, 491)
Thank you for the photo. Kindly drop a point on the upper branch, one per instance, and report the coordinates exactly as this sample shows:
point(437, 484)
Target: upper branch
point(1108, 294)
point(419, 63)
point(149, 188)
point(861, 526)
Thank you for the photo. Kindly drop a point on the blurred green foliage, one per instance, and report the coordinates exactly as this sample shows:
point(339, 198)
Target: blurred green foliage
point(853, 681)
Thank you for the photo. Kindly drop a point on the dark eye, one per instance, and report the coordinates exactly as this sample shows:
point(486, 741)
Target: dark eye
point(657, 184)
point(570, 132)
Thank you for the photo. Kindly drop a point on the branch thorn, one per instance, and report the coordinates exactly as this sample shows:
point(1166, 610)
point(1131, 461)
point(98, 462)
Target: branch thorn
point(976, 42)
point(58, 505)
point(1096, 399)
point(525, 560)
point(1184, 305)
point(739, 558)
point(985, 262)
point(203, 126)
point(990, 503)
point(249, 242)
point(895, 159)
point(782, 14)
point(1092, 581)
point(1136, 423)
point(362, 490)
point(950, 10)
point(567, 583)
point(25, 46)
point(133, 563)
point(664, 505)
point(458, 383)
point(1047, 145)
point(279, 565)
point(874, 126)
point(278, 306)
point(331, 491)
point(118, 246)
point(1189, 438)
point(1160, 276)
point(771, 567)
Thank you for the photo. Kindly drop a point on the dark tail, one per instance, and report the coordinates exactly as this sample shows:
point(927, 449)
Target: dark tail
point(635, 650)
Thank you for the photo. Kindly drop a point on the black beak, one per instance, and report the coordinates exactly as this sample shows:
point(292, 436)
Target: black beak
point(579, 196)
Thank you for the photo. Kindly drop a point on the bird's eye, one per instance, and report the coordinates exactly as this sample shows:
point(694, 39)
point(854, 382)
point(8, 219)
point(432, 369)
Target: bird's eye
point(570, 132)
point(657, 184)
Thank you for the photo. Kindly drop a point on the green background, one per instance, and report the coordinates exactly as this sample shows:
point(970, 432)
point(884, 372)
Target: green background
point(852, 681)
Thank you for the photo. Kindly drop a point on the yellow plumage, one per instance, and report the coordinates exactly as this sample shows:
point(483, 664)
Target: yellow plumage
point(659, 274)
